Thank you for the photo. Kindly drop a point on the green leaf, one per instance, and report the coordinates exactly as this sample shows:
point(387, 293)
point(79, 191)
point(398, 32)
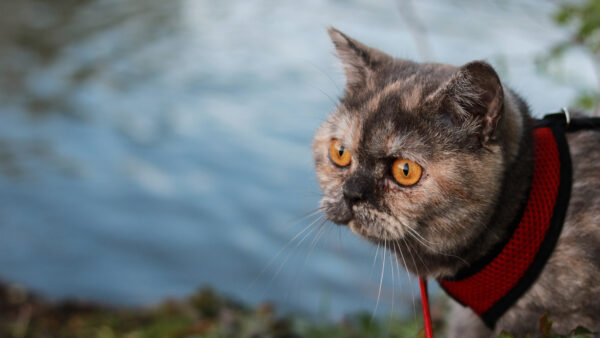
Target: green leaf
point(564, 15)
point(581, 330)
point(587, 100)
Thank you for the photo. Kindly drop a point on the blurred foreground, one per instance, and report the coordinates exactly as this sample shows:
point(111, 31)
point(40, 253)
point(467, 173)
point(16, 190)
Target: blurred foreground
point(206, 314)
point(203, 314)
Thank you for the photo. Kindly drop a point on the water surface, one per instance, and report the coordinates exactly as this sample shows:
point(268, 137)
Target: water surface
point(150, 147)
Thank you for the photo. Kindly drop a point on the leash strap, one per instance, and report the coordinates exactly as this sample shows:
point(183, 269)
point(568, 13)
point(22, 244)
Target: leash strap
point(425, 305)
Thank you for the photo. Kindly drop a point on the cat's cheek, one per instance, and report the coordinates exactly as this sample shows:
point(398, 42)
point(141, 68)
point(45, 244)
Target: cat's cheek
point(330, 181)
point(393, 191)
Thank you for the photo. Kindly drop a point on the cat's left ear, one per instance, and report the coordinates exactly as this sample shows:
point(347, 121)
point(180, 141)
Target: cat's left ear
point(360, 61)
point(476, 98)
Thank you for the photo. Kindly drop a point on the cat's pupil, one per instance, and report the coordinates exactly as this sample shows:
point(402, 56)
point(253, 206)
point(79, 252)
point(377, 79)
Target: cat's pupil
point(405, 169)
point(341, 151)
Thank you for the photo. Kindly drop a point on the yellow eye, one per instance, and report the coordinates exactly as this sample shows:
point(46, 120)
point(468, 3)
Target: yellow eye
point(339, 155)
point(406, 172)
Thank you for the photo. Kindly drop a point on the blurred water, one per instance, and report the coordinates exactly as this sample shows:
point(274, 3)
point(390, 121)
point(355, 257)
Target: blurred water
point(149, 147)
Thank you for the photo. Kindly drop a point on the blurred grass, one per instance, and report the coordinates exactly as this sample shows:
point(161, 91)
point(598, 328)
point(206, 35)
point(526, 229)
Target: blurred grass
point(203, 314)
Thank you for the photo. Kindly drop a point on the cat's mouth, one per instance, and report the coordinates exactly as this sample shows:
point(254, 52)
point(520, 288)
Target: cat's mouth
point(373, 224)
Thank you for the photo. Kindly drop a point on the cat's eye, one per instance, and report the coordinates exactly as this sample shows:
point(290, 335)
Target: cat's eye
point(339, 155)
point(406, 172)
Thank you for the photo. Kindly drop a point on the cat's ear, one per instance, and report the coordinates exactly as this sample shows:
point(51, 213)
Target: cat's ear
point(359, 60)
point(475, 98)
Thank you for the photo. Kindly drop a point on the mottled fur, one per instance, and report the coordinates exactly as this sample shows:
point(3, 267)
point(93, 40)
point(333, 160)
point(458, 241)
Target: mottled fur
point(471, 136)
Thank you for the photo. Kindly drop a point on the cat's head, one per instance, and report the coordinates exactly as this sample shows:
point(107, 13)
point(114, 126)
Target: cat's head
point(413, 150)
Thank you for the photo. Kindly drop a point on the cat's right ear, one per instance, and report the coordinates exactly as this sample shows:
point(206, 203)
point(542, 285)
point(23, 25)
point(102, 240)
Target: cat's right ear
point(476, 98)
point(359, 60)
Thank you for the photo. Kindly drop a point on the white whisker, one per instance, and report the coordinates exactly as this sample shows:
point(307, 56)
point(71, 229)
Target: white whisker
point(272, 260)
point(310, 226)
point(432, 249)
point(380, 279)
point(418, 234)
point(416, 268)
point(374, 261)
point(409, 279)
point(322, 226)
point(292, 252)
point(393, 289)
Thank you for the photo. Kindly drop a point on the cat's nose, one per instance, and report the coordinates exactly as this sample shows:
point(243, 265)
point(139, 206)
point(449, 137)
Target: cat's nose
point(352, 195)
point(354, 189)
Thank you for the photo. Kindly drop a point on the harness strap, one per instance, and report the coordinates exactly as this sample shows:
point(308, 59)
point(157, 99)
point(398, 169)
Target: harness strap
point(569, 124)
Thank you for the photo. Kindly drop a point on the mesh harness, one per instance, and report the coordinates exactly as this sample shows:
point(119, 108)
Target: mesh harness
point(493, 284)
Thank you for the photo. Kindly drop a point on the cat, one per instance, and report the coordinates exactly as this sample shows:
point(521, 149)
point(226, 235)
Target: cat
point(434, 162)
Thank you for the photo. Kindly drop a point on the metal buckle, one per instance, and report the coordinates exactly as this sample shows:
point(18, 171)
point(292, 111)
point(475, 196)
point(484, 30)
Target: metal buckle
point(567, 115)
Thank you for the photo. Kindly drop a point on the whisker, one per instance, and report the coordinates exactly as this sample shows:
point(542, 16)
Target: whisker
point(393, 292)
point(397, 266)
point(324, 93)
point(434, 250)
point(291, 253)
point(410, 232)
point(422, 240)
point(326, 74)
point(409, 279)
point(411, 256)
point(418, 234)
point(322, 226)
point(416, 268)
point(374, 261)
point(418, 256)
point(272, 260)
point(380, 280)
point(306, 215)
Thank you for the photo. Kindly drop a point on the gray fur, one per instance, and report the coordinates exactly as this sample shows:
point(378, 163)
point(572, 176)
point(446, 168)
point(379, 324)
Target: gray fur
point(471, 135)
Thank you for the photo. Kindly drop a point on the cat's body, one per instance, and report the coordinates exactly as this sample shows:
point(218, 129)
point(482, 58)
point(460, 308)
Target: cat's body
point(568, 288)
point(469, 139)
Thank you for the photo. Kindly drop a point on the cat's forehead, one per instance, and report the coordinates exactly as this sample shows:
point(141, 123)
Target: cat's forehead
point(394, 113)
point(409, 84)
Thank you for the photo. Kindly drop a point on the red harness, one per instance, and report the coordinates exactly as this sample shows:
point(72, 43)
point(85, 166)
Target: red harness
point(490, 286)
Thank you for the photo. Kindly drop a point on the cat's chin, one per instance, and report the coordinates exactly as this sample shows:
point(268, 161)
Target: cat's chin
point(354, 227)
point(372, 224)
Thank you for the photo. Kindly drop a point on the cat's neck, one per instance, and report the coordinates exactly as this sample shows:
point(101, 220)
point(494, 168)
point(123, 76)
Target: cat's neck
point(517, 136)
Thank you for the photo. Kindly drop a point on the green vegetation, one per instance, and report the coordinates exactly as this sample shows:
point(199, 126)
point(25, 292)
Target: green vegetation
point(204, 314)
point(583, 18)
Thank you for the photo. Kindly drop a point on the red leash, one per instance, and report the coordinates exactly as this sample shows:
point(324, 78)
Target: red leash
point(425, 304)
